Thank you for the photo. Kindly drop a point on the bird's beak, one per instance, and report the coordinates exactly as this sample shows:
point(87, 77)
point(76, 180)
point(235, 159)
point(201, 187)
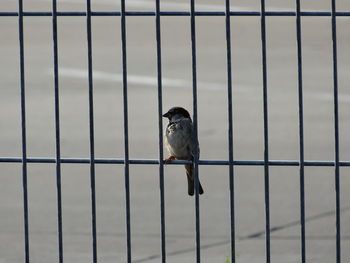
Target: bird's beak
point(166, 115)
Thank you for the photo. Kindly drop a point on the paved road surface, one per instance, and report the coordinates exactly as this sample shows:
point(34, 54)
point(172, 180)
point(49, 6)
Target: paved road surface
point(212, 110)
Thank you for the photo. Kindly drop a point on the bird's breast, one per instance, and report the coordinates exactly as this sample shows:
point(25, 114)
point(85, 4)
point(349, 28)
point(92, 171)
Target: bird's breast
point(177, 141)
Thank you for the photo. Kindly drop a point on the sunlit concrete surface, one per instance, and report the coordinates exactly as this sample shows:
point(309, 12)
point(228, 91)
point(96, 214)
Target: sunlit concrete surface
point(143, 133)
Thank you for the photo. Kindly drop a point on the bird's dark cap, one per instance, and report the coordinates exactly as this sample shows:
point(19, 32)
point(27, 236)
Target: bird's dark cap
point(177, 110)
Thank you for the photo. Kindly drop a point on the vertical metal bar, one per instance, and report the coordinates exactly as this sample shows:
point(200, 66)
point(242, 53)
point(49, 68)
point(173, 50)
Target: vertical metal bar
point(57, 127)
point(195, 129)
point(266, 134)
point(92, 137)
point(126, 129)
point(336, 130)
point(301, 133)
point(160, 132)
point(230, 130)
point(24, 134)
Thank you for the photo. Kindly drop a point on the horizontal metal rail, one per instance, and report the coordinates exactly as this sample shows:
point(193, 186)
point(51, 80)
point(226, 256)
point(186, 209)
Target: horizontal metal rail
point(181, 13)
point(176, 162)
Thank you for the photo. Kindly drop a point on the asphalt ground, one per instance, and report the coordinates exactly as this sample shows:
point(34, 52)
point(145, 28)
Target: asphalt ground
point(143, 134)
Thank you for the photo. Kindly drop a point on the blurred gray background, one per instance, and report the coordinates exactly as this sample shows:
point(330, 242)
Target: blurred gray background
point(143, 121)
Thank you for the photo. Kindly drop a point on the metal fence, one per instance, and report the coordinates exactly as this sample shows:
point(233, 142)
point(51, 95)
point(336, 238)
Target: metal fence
point(230, 162)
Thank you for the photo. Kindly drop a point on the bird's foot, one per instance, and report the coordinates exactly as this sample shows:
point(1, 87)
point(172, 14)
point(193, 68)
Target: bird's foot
point(170, 158)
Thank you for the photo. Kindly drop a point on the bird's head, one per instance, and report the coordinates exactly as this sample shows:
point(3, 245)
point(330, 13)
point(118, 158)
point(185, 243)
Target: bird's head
point(177, 113)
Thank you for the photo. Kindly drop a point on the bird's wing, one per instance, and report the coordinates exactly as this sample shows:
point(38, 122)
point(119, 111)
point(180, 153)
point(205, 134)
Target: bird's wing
point(186, 125)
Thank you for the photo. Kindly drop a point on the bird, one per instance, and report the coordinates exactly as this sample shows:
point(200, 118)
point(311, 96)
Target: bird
point(179, 142)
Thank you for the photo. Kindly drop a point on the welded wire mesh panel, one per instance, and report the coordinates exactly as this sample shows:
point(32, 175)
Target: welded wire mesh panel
point(129, 83)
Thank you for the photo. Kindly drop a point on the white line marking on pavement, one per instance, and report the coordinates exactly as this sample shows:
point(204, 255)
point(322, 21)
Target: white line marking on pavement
point(147, 81)
point(136, 79)
point(148, 4)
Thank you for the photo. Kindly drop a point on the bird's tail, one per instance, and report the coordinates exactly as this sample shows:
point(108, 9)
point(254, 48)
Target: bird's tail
point(190, 180)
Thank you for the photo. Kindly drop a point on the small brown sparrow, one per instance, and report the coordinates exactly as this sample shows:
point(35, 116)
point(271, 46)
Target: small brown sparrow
point(179, 141)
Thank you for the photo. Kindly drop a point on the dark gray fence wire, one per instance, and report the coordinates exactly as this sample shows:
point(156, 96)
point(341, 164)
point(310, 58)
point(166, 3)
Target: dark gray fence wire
point(91, 130)
point(58, 136)
point(24, 134)
point(301, 134)
point(336, 130)
point(230, 131)
point(266, 134)
point(126, 129)
point(160, 132)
